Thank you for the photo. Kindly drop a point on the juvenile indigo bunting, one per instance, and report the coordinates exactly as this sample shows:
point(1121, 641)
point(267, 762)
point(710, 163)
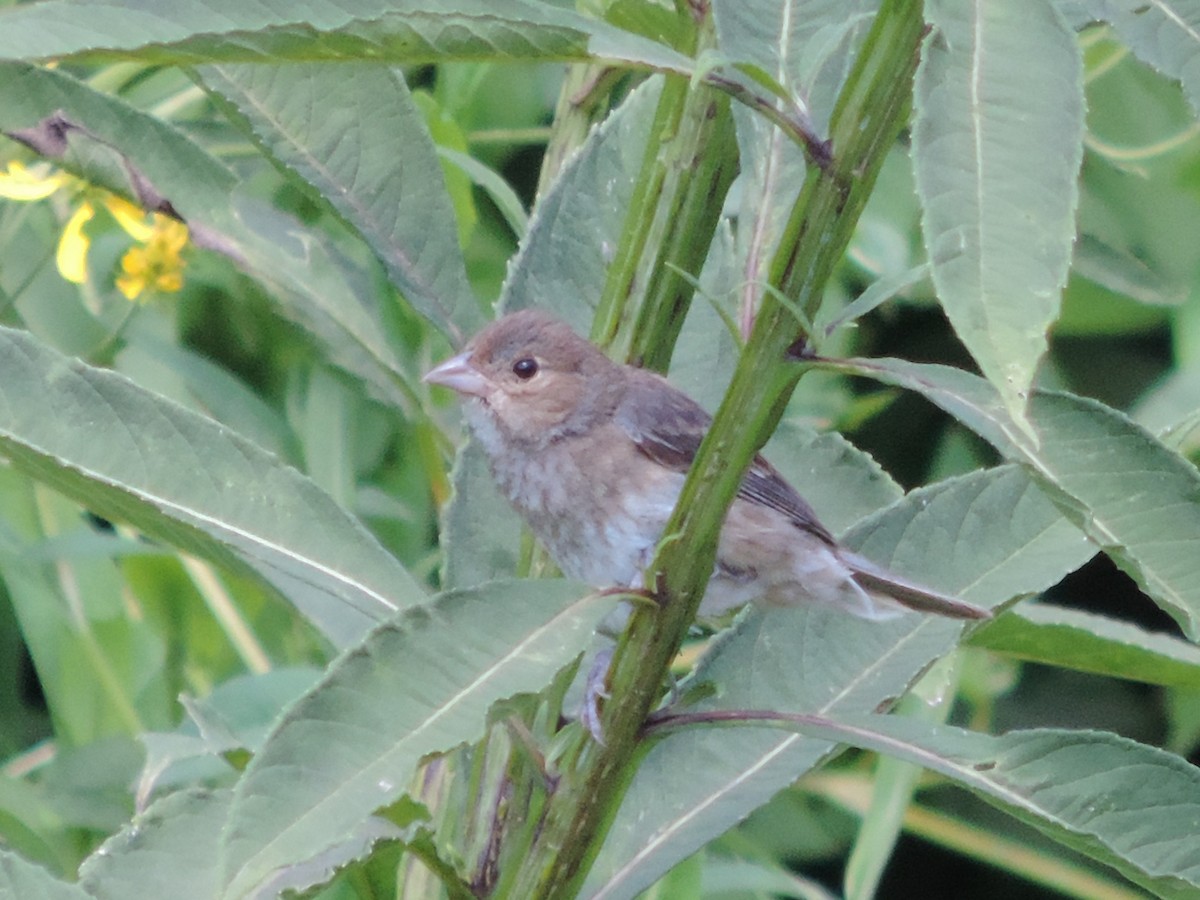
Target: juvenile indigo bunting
point(593, 455)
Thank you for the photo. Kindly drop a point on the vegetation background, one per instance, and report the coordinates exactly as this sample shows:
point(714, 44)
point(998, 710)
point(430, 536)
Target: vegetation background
point(264, 627)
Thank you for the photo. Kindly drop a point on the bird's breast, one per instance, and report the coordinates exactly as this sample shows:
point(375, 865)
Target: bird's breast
point(597, 505)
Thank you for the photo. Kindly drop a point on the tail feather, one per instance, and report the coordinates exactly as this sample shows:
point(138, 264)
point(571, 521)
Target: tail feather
point(877, 580)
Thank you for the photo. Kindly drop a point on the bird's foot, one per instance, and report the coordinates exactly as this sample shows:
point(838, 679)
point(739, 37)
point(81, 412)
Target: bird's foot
point(595, 691)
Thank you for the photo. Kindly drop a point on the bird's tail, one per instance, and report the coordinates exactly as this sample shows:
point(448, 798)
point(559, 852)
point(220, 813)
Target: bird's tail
point(879, 582)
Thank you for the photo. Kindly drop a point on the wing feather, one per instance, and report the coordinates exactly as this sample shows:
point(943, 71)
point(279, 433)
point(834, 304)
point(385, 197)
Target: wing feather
point(667, 426)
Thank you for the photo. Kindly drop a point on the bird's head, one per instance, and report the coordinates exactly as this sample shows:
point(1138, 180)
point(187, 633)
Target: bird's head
point(532, 377)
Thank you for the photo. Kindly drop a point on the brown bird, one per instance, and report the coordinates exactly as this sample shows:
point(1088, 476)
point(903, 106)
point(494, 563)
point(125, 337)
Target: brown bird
point(593, 455)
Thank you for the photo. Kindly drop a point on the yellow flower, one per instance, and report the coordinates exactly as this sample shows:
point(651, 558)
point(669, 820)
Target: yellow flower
point(28, 184)
point(157, 264)
point(154, 263)
point(73, 244)
point(18, 182)
point(130, 217)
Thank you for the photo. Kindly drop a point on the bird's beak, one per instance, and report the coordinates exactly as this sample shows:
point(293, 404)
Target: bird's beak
point(458, 374)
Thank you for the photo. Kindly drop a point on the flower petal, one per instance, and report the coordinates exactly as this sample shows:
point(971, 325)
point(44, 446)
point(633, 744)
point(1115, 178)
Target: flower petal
point(71, 257)
point(18, 182)
point(130, 217)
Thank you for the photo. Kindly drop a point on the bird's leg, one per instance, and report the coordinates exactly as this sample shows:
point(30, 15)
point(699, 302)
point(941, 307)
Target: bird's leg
point(595, 689)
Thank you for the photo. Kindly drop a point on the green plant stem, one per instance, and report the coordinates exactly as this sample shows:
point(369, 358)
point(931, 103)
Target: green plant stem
point(582, 102)
point(682, 231)
point(685, 121)
point(870, 112)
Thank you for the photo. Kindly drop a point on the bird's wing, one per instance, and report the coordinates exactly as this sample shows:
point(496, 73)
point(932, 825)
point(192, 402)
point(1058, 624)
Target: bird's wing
point(667, 426)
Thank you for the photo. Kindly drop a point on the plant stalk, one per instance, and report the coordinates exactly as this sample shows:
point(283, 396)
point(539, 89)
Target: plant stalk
point(871, 109)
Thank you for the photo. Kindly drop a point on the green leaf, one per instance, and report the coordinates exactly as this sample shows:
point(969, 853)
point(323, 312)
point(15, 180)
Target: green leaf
point(121, 450)
point(988, 537)
point(842, 483)
point(204, 385)
point(21, 880)
point(997, 144)
point(169, 160)
point(420, 31)
point(1136, 499)
point(1165, 34)
point(894, 782)
point(170, 850)
point(1039, 632)
point(1171, 409)
point(1122, 272)
point(730, 879)
point(575, 227)
point(805, 48)
point(100, 670)
point(418, 684)
point(32, 824)
point(499, 191)
point(353, 132)
point(481, 532)
point(1133, 807)
point(294, 262)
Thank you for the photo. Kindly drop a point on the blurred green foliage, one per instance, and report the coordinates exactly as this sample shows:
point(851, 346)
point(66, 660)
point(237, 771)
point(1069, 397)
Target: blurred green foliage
point(190, 583)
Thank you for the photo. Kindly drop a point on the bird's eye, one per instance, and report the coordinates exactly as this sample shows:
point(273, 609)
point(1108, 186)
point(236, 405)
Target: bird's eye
point(525, 368)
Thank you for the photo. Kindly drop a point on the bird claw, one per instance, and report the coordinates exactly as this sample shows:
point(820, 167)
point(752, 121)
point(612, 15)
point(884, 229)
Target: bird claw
point(595, 690)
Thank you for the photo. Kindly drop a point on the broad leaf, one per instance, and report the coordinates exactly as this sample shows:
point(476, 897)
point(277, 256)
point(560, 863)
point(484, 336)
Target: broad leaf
point(997, 144)
point(1120, 802)
point(1134, 497)
point(418, 684)
point(989, 536)
point(170, 850)
point(415, 31)
point(353, 132)
point(481, 532)
point(1165, 34)
point(294, 262)
point(21, 880)
point(121, 451)
point(575, 227)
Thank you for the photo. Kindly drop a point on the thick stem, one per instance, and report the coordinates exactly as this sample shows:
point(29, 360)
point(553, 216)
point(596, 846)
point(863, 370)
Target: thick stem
point(871, 109)
point(686, 170)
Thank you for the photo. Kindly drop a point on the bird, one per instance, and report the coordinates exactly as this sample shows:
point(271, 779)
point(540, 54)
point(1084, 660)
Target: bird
point(593, 454)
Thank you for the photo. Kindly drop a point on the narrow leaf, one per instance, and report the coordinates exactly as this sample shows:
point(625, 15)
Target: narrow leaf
point(1069, 638)
point(418, 684)
point(120, 450)
point(997, 144)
